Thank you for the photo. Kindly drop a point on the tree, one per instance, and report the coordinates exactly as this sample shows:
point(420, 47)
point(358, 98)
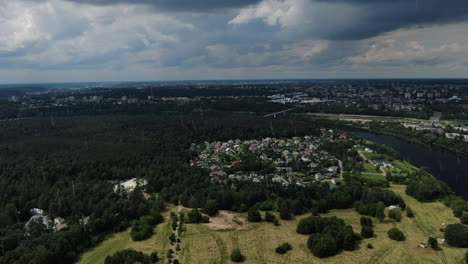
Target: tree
point(432, 243)
point(349, 241)
point(142, 229)
point(322, 245)
point(366, 221)
point(284, 211)
point(457, 235)
point(396, 234)
point(211, 207)
point(395, 214)
point(380, 211)
point(464, 218)
point(367, 231)
point(269, 217)
point(237, 256)
point(254, 215)
point(310, 225)
point(194, 216)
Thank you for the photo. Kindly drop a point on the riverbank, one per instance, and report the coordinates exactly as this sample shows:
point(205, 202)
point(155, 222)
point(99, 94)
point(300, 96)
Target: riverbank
point(410, 139)
point(445, 166)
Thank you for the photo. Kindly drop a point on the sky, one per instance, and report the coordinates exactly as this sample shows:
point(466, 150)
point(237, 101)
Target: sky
point(141, 40)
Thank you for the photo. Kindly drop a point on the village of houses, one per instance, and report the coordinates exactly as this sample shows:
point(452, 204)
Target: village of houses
point(296, 160)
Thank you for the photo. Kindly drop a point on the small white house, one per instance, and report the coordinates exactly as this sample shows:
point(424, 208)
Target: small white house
point(36, 211)
point(130, 185)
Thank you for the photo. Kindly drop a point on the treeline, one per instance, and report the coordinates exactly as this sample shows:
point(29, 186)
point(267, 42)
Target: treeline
point(365, 108)
point(127, 256)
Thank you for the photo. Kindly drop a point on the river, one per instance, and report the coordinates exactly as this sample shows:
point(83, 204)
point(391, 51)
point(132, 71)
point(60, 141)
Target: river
point(446, 166)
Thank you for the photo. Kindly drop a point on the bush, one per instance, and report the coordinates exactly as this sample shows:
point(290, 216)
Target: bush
point(280, 250)
point(283, 248)
point(409, 212)
point(457, 235)
point(396, 234)
point(237, 256)
point(432, 243)
point(370, 246)
point(254, 215)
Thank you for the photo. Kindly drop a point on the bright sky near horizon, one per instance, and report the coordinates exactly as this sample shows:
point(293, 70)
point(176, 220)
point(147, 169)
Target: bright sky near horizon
point(118, 40)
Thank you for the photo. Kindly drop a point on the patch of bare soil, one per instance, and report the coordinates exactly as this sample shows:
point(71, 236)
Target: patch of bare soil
point(225, 220)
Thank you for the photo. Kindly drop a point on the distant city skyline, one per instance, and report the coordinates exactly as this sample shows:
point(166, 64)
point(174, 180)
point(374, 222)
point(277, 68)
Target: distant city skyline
point(50, 41)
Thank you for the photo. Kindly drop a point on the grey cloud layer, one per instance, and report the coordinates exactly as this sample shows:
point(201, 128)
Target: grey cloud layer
point(379, 16)
point(203, 37)
point(177, 5)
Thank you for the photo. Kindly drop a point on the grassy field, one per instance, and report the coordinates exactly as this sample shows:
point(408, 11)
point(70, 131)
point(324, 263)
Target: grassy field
point(203, 245)
point(158, 242)
point(401, 168)
point(370, 168)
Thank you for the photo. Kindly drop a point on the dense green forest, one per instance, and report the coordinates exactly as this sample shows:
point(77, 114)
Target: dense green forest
point(66, 166)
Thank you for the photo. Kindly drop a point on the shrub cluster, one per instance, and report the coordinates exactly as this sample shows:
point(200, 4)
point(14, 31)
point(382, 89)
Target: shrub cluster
point(283, 248)
point(328, 235)
point(132, 256)
point(367, 230)
point(396, 234)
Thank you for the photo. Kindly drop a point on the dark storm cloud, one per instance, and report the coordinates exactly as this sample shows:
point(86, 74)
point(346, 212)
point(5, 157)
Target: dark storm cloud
point(177, 5)
point(380, 16)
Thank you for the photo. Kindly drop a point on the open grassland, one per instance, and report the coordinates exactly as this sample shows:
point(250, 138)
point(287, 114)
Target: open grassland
point(158, 242)
point(200, 244)
point(428, 220)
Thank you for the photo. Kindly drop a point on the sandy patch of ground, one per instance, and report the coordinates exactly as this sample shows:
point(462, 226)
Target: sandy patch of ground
point(225, 220)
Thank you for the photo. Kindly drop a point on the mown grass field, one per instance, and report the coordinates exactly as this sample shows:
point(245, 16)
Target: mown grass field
point(370, 168)
point(203, 245)
point(401, 168)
